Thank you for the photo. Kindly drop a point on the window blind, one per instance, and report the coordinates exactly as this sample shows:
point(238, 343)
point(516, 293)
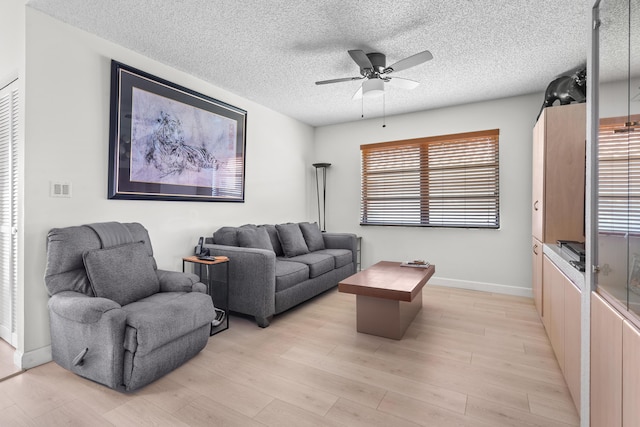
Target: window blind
point(619, 175)
point(441, 181)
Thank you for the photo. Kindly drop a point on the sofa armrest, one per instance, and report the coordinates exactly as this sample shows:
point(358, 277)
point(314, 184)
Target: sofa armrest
point(342, 241)
point(176, 281)
point(252, 279)
point(81, 308)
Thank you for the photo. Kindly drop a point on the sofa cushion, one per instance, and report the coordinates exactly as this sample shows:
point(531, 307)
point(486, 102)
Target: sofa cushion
point(226, 236)
point(289, 274)
point(275, 241)
point(341, 257)
point(292, 240)
point(312, 236)
point(256, 238)
point(318, 263)
point(121, 273)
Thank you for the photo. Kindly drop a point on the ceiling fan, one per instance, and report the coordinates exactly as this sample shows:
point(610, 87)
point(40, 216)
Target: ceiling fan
point(373, 68)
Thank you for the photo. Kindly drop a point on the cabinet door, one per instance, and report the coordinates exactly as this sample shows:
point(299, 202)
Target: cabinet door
point(536, 252)
point(556, 309)
point(564, 169)
point(630, 375)
point(537, 202)
point(572, 340)
point(547, 278)
point(606, 364)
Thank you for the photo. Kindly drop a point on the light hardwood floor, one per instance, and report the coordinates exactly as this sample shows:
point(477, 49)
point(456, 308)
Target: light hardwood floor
point(469, 359)
point(7, 367)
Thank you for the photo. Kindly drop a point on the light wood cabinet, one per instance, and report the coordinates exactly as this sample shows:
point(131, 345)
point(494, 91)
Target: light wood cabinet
point(537, 176)
point(615, 367)
point(630, 375)
point(536, 253)
point(554, 284)
point(562, 317)
point(558, 174)
point(547, 279)
point(606, 364)
point(572, 340)
point(557, 187)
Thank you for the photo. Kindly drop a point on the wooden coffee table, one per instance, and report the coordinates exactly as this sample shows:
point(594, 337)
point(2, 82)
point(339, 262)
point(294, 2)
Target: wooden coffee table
point(388, 297)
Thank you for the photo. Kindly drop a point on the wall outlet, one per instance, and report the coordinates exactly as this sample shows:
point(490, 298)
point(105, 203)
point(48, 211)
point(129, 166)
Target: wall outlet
point(60, 189)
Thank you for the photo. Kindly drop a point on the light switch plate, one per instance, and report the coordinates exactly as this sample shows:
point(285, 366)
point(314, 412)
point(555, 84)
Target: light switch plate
point(60, 189)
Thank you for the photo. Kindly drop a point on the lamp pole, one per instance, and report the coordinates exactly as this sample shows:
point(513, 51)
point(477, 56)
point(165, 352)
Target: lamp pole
point(322, 221)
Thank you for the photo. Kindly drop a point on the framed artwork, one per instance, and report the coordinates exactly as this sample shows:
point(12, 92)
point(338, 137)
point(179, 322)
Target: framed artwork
point(167, 142)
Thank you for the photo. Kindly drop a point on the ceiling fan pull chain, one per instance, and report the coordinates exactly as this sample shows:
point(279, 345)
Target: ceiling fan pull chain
point(384, 110)
point(362, 106)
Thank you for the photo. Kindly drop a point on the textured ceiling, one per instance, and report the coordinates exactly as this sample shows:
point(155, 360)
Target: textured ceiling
point(272, 52)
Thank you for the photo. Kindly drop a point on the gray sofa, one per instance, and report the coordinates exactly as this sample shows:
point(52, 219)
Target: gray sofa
point(115, 318)
point(275, 267)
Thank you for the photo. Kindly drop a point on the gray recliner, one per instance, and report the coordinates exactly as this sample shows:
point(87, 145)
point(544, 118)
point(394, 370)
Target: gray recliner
point(115, 318)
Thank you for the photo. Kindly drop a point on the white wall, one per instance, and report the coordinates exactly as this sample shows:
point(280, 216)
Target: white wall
point(498, 260)
point(67, 102)
point(12, 39)
point(12, 63)
point(614, 98)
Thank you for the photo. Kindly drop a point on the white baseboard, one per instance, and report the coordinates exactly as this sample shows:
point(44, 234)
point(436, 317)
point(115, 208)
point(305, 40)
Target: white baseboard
point(481, 286)
point(34, 358)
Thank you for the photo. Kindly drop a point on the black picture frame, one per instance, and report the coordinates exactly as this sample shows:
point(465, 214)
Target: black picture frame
point(167, 142)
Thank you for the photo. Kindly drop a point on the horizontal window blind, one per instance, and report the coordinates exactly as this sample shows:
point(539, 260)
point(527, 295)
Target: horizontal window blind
point(619, 175)
point(442, 181)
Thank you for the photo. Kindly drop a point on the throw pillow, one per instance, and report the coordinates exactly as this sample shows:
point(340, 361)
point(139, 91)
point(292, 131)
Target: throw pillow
point(226, 236)
point(256, 238)
point(312, 236)
point(123, 273)
point(275, 241)
point(292, 240)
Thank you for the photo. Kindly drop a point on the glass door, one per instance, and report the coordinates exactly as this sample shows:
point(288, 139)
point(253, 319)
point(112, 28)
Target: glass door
point(618, 154)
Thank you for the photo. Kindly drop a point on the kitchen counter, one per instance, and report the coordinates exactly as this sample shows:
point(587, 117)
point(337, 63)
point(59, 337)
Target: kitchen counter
point(562, 262)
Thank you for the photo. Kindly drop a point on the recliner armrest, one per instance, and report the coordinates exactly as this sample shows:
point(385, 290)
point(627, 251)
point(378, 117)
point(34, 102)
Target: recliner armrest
point(176, 281)
point(81, 308)
point(80, 322)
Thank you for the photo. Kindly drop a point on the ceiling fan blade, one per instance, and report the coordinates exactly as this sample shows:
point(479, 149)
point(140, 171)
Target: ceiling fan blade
point(361, 59)
point(403, 83)
point(344, 79)
point(409, 62)
point(358, 94)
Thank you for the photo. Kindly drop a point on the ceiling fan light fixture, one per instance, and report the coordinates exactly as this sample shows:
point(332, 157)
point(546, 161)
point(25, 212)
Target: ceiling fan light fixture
point(372, 88)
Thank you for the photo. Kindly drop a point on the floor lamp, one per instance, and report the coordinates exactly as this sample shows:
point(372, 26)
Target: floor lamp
point(322, 221)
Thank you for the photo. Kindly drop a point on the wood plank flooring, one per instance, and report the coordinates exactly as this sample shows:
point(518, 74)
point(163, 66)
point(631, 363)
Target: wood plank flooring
point(469, 359)
point(7, 367)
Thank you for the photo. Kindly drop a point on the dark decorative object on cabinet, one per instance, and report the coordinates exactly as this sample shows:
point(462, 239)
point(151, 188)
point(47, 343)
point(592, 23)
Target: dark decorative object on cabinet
point(567, 88)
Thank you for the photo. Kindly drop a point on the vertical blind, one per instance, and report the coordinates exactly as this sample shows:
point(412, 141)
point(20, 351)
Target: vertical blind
point(8, 211)
point(619, 175)
point(441, 181)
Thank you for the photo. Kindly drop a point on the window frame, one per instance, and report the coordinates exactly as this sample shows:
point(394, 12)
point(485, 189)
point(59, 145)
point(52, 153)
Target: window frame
point(464, 191)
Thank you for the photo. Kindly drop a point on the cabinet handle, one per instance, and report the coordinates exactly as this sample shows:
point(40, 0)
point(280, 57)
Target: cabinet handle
point(534, 249)
point(535, 205)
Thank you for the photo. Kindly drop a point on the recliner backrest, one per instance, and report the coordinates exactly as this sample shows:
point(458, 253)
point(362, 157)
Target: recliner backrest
point(65, 269)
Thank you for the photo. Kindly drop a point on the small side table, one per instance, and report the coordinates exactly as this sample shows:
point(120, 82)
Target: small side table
point(210, 281)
